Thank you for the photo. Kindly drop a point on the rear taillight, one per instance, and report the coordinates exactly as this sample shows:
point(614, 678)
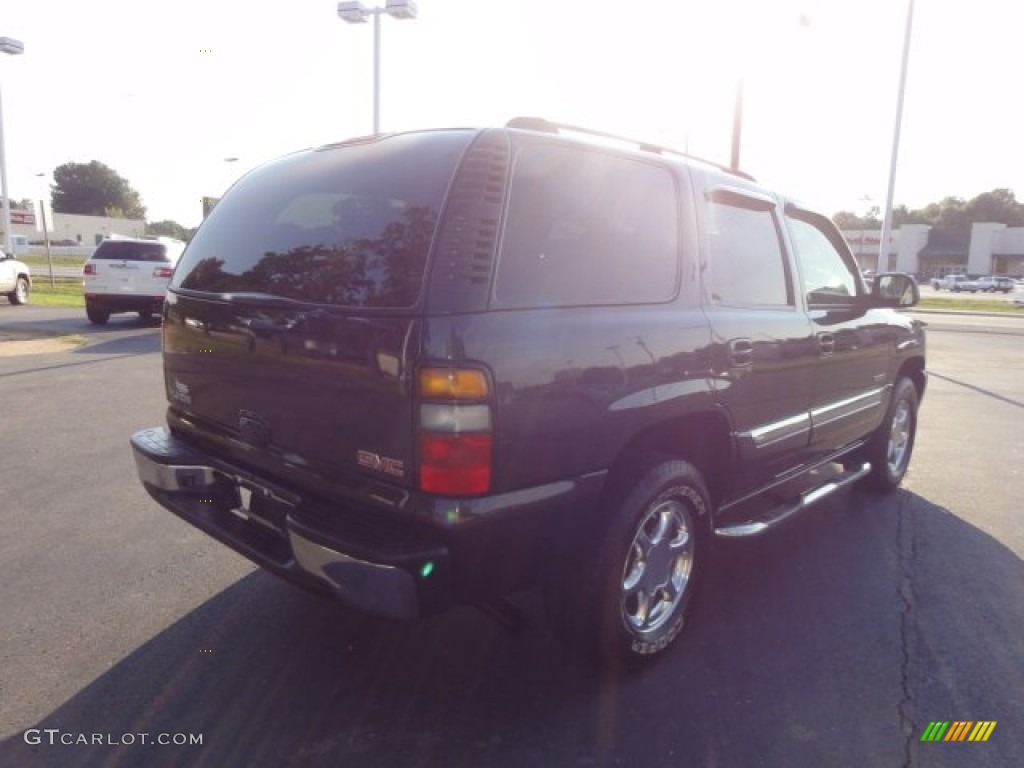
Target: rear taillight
point(89, 269)
point(163, 271)
point(455, 431)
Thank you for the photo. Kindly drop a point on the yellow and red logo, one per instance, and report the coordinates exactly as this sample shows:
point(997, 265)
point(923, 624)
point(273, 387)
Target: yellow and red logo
point(958, 730)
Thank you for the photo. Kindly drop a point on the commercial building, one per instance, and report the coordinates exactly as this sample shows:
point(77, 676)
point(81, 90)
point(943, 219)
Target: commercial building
point(987, 248)
point(72, 229)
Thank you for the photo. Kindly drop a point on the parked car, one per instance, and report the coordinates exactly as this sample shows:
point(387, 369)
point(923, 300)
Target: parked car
point(958, 283)
point(15, 278)
point(437, 367)
point(994, 283)
point(128, 275)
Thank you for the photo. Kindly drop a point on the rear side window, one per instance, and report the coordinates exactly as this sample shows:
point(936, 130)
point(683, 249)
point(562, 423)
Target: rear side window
point(121, 250)
point(747, 263)
point(349, 225)
point(587, 227)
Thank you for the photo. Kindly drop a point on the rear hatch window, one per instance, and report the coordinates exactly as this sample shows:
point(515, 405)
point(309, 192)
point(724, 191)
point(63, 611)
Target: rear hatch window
point(130, 251)
point(348, 225)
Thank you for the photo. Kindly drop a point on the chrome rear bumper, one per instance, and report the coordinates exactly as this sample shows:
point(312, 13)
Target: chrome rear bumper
point(205, 493)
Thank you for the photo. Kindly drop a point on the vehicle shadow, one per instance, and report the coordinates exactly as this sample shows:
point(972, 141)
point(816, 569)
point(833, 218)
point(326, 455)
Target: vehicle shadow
point(127, 335)
point(76, 325)
point(136, 344)
point(828, 642)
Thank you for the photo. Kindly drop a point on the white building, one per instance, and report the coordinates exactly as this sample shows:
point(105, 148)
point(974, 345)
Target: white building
point(73, 229)
point(986, 249)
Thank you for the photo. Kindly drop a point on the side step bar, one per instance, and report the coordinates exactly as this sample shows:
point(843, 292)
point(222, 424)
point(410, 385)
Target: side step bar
point(785, 511)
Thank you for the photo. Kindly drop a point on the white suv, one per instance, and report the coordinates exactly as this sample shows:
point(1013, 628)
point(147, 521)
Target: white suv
point(15, 279)
point(128, 275)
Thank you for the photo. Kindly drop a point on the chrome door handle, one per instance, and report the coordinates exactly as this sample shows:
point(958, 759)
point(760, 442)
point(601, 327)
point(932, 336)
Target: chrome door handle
point(741, 352)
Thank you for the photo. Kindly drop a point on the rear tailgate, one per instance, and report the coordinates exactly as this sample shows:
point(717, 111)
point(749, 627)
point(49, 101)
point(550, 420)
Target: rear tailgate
point(292, 317)
point(296, 391)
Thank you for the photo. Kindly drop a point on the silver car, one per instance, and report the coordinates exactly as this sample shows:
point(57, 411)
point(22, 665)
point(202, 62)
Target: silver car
point(993, 283)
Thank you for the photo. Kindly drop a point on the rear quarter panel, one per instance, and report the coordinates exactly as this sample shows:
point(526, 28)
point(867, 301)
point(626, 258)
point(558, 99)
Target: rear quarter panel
point(574, 385)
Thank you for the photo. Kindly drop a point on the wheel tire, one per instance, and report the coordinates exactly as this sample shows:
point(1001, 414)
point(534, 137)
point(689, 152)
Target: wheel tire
point(20, 293)
point(891, 446)
point(96, 315)
point(640, 579)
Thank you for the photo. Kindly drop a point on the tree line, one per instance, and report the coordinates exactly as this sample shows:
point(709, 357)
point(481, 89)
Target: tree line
point(999, 205)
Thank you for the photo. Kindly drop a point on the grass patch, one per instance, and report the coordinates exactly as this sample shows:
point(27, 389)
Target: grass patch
point(62, 294)
point(970, 305)
point(40, 265)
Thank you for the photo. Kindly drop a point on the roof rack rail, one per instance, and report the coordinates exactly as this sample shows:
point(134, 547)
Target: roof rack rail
point(547, 126)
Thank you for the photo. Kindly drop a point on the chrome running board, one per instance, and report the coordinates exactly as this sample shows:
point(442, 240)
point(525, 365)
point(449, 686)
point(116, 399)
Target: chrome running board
point(784, 511)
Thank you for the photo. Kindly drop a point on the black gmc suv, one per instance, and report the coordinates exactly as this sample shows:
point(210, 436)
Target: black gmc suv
point(437, 367)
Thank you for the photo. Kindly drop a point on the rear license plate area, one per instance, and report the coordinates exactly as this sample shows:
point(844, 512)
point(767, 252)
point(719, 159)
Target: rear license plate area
point(258, 505)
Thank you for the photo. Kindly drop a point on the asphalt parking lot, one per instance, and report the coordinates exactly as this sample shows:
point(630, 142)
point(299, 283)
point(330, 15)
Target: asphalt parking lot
point(834, 641)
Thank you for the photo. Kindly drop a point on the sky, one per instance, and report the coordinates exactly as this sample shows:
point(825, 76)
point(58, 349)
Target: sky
point(164, 93)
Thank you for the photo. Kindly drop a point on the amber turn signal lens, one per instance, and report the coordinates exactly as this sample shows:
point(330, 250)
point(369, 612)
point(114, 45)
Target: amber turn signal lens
point(453, 384)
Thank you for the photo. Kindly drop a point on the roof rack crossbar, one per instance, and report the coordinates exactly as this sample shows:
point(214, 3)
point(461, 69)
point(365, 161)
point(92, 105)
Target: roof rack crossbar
point(547, 126)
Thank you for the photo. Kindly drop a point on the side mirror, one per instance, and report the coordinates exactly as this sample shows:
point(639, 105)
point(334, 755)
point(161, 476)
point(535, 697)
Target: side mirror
point(895, 289)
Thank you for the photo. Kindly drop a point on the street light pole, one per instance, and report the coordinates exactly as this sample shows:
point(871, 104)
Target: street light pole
point(737, 125)
point(803, 21)
point(376, 72)
point(13, 47)
point(3, 184)
point(883, 249)
point(46, 231)
point(355, 12)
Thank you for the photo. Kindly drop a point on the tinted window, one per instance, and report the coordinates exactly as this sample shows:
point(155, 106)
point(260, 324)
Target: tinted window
point(127, 251)
point(747, 264)
point(826, 277)
point(349, 225)
point(587, 227)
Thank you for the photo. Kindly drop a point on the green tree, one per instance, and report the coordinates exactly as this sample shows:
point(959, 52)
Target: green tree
point(949, 213)
point(999, 205)
point(168, 228)
point(901, 216)
point(849, 221)
point(94, 189)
